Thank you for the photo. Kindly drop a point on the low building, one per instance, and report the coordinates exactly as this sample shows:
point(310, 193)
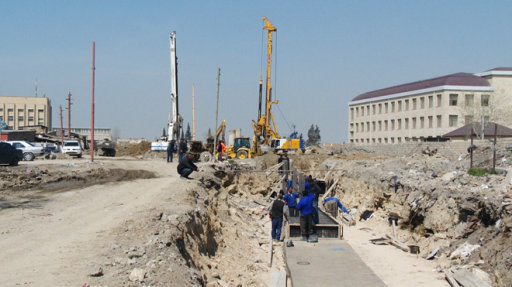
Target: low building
point(99, 133)
point(425, 110)
point(19, 112)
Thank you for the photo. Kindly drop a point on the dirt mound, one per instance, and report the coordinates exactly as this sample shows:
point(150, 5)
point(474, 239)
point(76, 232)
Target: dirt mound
point(134, 150)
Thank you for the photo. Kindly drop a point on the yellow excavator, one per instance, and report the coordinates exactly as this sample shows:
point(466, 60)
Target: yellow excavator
point(241, 148)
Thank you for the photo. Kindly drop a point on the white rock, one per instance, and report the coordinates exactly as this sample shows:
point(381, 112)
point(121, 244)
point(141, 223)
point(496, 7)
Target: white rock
point(137, 275)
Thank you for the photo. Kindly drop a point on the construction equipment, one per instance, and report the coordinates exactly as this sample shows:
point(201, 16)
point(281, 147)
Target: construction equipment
point(266, 133)
point(175, 123)
point(241, 148)
point(107, 147)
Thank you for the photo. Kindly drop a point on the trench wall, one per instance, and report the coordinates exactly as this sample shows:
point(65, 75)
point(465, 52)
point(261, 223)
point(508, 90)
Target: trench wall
point(451, 150)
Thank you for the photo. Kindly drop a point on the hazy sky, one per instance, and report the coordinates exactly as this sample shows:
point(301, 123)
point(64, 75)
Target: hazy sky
point(326, 53)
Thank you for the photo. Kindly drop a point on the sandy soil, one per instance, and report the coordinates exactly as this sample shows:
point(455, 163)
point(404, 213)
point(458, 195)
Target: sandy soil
point(52, 240)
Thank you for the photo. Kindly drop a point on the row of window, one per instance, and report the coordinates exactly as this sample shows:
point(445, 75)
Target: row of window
point(413, 104)
point(385, 140)
point(22, 110)
point(20, 119)
point(413, 122)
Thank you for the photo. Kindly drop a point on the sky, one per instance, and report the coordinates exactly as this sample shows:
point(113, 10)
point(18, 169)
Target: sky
point(325, 54)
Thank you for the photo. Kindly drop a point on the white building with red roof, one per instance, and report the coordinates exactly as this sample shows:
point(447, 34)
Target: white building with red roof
point(427, 109)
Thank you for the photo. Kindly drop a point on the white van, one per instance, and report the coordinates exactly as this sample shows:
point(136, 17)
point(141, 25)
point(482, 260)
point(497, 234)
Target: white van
point(72, 147)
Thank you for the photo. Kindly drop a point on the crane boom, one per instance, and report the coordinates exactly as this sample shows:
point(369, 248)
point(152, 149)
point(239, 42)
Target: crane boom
point(176, 119)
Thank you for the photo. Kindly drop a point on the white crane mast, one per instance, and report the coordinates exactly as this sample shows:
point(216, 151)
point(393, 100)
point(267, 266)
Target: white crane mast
point(175, 122)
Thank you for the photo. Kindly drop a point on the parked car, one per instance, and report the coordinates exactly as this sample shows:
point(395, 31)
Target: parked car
point(72, 147)
point(9, 155)
point(29, 150)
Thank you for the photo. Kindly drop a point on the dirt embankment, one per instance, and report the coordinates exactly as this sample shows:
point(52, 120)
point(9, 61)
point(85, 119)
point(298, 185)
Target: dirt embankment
point(218, 237)
point(439, 205)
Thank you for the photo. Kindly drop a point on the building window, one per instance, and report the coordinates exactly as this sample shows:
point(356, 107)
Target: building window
point(430, 122)
point(30, 119)
point(399, 139)
point(1, 110)
point(439, 122)
point(468, 120)
point(351, 114)
point(373, 107)
point(453, 99)
point(386, 125)
point(392, 124)
point(414, 104)
point(406, 105)
point(392, 107)
point(392, 140)
point(422, 122)
point(386, 108)
point(422, 102)
point(40, 122)
point(362, 111)
point(469, 100)
point(362, 127)
point(399, 124)
point(357, 112)
point(399, 106)
point(413, 123)
point(386, 140)
point(380, 108)
point(406, 124)
point(367, 126)
point(452, 120)
point(30, 110)
point(10, 118)
point(40, 111)
point(373, 126)
point(20, 118)
point(380, 126)
point(1, 118)
point(430, 101)
point(20, 111)
point(439, 100)
point(368, 109)
point(373, 140)
point(10, 110)
point(357, 127)
point(485, 101)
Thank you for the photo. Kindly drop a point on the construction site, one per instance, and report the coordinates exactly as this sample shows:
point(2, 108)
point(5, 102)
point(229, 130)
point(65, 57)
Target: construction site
point(411, 214)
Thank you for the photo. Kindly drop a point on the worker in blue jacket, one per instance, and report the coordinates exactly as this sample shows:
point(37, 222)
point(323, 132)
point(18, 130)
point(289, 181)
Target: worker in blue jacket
point(291, 200)
point(305, 207)
point(340, 206)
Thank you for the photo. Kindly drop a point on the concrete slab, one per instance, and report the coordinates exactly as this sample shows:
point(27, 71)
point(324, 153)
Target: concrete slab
point(328, 263)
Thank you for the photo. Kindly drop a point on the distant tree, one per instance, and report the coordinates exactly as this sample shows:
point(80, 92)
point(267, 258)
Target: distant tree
point(313, 135)
point(188, 134)
point(163, 133)
point(182, 135)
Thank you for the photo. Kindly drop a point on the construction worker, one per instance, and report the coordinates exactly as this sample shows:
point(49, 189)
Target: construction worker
point(182, 149)
point(221, 148)
point(305, 207)
point(171, 149)
point(291, 201)
point(315, 189)
point(276, 214)
point(186, 166)
point(338, 203)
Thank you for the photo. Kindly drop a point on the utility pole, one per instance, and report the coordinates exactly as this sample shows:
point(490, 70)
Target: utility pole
point(61, 128)
point(92, 104)
point(193, 116)
point(217, 112)
point(69, 114)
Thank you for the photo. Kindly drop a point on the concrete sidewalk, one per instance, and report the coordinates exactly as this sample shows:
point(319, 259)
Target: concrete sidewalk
point(329, 262)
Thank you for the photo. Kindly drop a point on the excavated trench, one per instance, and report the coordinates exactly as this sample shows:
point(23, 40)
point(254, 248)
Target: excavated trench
point(440, 217)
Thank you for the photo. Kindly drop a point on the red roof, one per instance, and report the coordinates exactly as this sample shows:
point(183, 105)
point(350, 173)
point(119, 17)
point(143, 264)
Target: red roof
point(459, 79)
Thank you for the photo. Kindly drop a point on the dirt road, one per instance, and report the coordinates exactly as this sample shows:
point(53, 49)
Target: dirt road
point(57, 238)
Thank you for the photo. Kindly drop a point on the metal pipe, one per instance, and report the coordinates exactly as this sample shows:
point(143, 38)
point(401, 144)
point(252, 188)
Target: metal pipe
point(92, 104)
point(61, 128)
point(193, 115)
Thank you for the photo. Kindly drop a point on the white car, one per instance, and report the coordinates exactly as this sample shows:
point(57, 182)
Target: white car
point(29, 150)
point(72, 147)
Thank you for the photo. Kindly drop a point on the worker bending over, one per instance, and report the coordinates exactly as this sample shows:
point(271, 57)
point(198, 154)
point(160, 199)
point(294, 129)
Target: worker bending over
point(186, 166)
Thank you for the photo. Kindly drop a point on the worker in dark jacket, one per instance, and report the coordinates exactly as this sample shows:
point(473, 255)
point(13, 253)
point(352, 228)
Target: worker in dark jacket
point(186, 166)
point(182, 149)
point(305, 207)
point(171, 149)
point(291, 200)
point(276, 214)
point(315, 189)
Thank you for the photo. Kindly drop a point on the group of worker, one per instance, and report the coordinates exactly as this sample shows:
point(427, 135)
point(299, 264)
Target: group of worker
point(285, 205)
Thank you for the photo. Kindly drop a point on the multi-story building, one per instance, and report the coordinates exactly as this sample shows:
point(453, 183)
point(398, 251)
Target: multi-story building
point(425, 110)
point(19, 112)
point(99, 133)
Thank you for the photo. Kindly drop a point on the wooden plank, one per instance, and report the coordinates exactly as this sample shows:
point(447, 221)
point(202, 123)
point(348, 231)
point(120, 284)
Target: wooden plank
point(450, 279)
point(329, 190)
point(270, 252)
point(398, 244)
point(277, 279)
point(467, 279)
point(273, 168)
point(433, 253)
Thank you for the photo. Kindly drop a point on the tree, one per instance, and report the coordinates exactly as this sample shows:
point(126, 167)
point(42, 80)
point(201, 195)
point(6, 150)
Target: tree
point(313, 135)
point(182, 135)
point(188, 134)
point(163, 133)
